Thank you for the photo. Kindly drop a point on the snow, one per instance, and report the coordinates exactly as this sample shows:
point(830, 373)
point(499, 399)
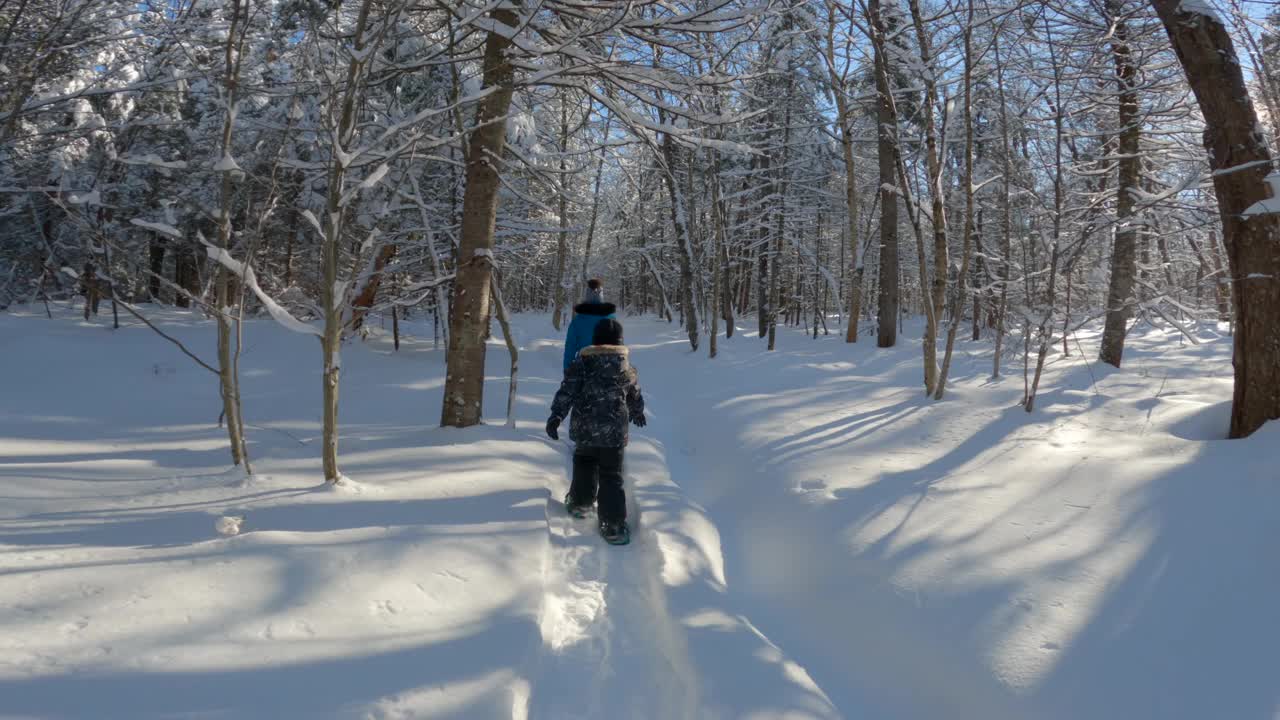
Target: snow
point(162, 228)
point(312, 221)
point(1200, 7)
point(93, 197)
point(375, 177)
point(339, 294)
point(343, 157)
point(366, 184)
point(245, 273)
point(361, 55)
point(226, 164)
point(228, 525)
point(1269, 205)
point(154, 160)
point(812, 537)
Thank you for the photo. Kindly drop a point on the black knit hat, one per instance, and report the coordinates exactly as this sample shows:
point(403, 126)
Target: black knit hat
point(607, 332)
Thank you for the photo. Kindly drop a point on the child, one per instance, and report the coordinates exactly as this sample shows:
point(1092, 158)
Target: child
point(602, 390)
point(585, 316)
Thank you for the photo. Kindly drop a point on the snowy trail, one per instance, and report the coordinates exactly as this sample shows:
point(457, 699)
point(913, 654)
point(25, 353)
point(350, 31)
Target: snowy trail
point(645, 631)
point(642, 631)
point(609, 646)
point(612, 649)
point(743, 674)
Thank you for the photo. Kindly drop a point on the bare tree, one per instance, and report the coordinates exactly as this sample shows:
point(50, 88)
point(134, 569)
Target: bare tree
point(887, 123)
point(1123, 257)
point(228, 378)
point(957, 307)
point(1241, 162)
point(468, 324)
point(838, 77)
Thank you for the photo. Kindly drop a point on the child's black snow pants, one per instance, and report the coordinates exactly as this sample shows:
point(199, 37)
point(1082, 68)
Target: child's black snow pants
point(597, 474)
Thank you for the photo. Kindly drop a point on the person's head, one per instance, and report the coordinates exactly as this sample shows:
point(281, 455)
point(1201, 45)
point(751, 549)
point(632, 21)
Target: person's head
point(594, 292)
point(607, 332)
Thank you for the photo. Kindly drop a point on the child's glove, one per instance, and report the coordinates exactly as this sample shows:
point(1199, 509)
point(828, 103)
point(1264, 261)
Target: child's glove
point(639, 420)
point(553, 425)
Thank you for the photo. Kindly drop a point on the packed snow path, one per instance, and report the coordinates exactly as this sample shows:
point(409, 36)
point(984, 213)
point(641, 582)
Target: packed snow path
point(645, 630)
point(605, 626)
point(812, 538)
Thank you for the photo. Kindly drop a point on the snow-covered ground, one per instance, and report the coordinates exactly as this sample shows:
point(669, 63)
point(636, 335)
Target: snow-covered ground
point(813, 538)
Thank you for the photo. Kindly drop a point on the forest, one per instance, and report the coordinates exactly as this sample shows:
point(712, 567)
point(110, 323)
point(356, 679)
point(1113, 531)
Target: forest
point(1024, 169)
point(1019, 211)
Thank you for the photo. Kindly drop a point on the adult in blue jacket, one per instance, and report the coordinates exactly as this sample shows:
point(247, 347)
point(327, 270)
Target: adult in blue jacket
point(587, 313)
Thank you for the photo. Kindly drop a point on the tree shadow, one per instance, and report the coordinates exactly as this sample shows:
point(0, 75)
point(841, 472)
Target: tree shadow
point(1107, 607)
point(1190, 630)
point(468, 673)
point(165, 527)
point(340, 553)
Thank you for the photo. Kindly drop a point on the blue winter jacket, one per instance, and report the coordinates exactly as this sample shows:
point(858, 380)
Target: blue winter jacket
point(585, 317)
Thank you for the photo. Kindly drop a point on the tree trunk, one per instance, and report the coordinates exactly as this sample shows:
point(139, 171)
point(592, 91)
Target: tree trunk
point(229, 379)
point(441, 292)
point(780, 188)
point(464, 380)
point(1241, 161)
point(595, 204)
point(935, 299)
point(333, 295)
point(1123, 267)
point(369, 293)
point(155, 258)
point(977, 278)
point(185, 276)
point(1045, 329)
point(844, 119)
point(562, 244)
point(1006, 212)
point(496, 289)
point(762, 268)
point(957, 312)
point(726, 299)
point(887, 315)
point(684, 243)
point(1221, 283)
point(92, 294)
point(717, 279)
point(291, 238)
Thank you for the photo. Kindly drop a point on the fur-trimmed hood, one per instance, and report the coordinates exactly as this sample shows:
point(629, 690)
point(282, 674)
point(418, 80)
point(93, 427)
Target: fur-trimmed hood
point(602, 309)
point(590, 350)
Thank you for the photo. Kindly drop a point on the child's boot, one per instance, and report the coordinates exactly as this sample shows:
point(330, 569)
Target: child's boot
point(615, 532)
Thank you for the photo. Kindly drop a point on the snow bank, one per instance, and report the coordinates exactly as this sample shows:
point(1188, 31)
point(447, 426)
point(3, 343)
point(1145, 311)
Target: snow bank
point(1103, 557)
point(416, 598)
